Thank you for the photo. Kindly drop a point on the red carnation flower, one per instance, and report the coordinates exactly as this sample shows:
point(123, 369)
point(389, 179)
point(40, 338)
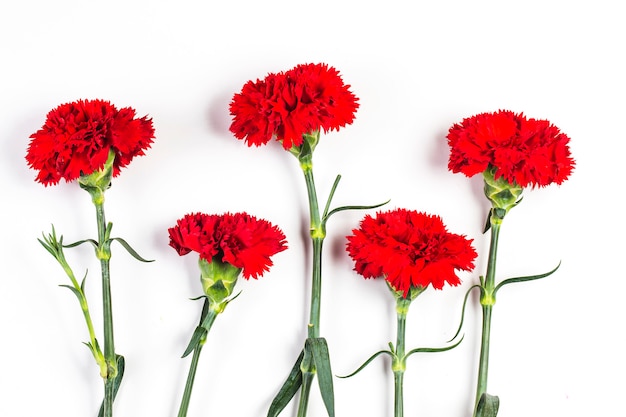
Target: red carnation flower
point(287, 105)
point(409, 249)
point(77, 137)
point(238, 239)
point(522, 151)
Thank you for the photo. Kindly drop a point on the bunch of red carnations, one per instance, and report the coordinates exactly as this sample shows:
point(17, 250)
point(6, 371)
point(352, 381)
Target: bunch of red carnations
point(91, 140)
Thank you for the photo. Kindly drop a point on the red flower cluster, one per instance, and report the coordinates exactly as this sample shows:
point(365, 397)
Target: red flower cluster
point(409, 249)
point(238, 239)
point(522, 151)
point(76, 138)
point(286, 105)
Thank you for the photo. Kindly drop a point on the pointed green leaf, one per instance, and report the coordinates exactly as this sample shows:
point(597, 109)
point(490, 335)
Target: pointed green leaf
point(74, 290)
point(463, 311)
point(330, 196)
point(49, 247)
point(488, 406)
point(487, 222)
point(130, 250)
point(288, 390)
point(80, 242)
point(116, 381)
point(197, 336)
point(371, 358)
point(205, 309)
point(321, 358)
point(433, 350)
point(344, 208)
point(523, 279)
point(200, 332)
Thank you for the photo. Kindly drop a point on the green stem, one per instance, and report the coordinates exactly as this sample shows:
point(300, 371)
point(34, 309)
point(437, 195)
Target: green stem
point(398, 403)
point(84, 305)
point(487, 302)
point(317, 236)
point(307, 379)
point(316, 287)
point(398, 365)
point(206, 324)
point(104, 254)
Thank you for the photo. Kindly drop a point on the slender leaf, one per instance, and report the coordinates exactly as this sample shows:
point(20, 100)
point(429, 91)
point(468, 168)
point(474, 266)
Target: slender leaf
point(116, 381)
point(523, 279)
point(433, 350)
point(343, 208)
point(80, 242)
point(321, 358)
point(487, 406)
point(330, 196)
point(74, 290)
point(487, 222)
point(288, 390)
point(49, 247)
point(130, 250)
point(197, 336)
point(367, 362)
point(463, 311)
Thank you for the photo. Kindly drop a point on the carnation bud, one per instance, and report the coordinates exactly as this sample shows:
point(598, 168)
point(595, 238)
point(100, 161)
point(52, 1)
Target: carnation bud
point(218, 281)
point(502, 194)
point(97, 182)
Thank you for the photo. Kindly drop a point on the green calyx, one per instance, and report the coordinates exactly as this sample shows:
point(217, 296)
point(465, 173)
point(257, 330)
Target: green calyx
point(98, 181)
point(502, 194)
point(304, 152)
point(401, 299)
point(218, 281)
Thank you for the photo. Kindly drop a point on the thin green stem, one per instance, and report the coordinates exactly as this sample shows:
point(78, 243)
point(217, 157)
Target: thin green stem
point(307, 380)
point(317, 236)
point(104, 254)
point(55, 247)
point(206, 324)
point(483, 367)
point(398, 399)
point(487, 302)
point(316, 288)
point(398, 365)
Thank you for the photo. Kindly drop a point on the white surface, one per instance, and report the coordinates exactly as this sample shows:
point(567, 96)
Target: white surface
point(417, 68)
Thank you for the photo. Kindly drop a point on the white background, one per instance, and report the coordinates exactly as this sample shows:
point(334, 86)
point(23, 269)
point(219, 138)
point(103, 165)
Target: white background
point(418, 68)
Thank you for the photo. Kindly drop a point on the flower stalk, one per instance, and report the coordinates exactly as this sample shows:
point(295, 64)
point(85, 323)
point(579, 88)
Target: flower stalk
point(398, 353)
point(503, 197)
point(317, 233)
point(398, 364)
point(96, 184)
point(487, 301)
point(55, 247)
point(206, 322)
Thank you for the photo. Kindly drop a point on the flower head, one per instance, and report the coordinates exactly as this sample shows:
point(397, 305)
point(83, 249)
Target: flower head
point(77, 137)
point(238, 239)
point(287, 105)
point(522, 151)
point(410, 250)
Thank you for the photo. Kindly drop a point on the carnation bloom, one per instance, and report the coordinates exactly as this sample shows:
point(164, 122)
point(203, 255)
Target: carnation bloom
point(287, 105)
point(410, 250)
point(238, 239)
point(77, 137)
point(522, 151)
